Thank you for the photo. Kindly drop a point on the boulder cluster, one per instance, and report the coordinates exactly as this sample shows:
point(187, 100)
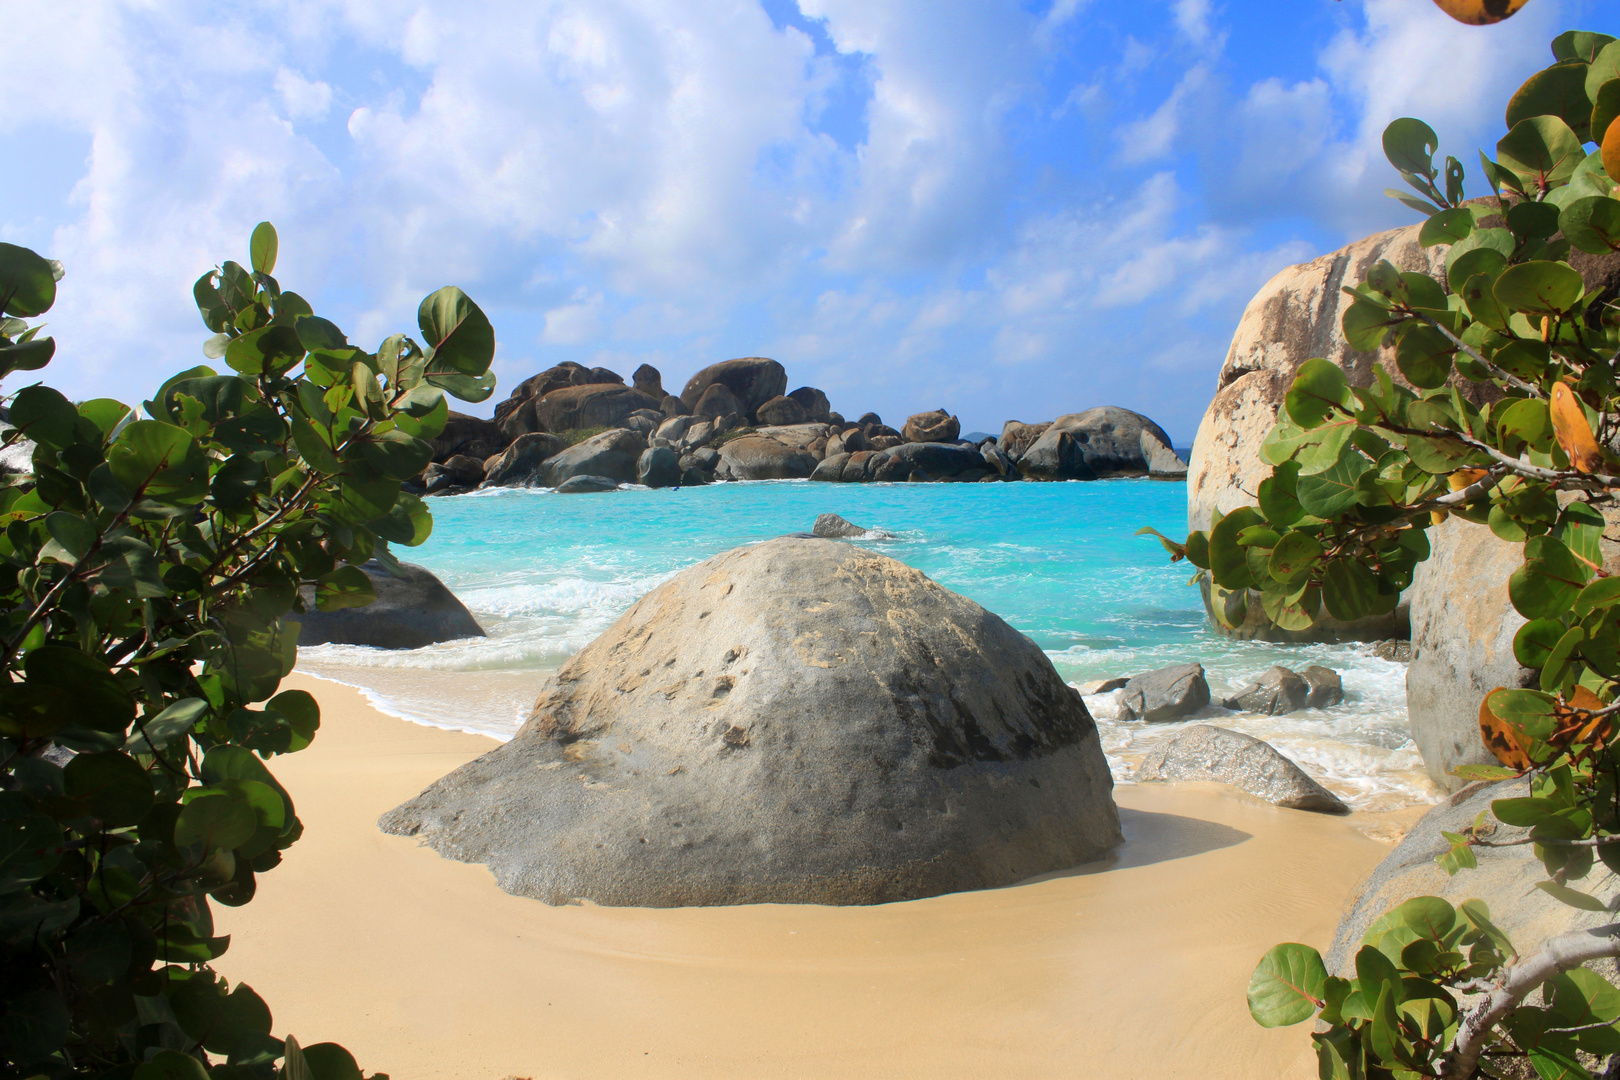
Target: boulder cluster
point(575, 428)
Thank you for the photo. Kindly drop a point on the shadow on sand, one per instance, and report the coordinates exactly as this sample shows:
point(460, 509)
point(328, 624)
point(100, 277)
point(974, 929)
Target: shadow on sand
point(1153, 838)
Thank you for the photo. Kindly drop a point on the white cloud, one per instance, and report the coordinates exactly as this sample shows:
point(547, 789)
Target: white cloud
point(304, 99)
point(575, 322)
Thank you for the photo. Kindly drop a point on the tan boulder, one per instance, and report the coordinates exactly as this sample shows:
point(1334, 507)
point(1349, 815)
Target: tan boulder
point(931, 427)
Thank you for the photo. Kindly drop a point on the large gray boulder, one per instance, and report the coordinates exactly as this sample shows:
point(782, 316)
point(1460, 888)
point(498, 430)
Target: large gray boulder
point(591, 405)
point(813, 402)
point(758, 457)
point(1101, 442)
point(1278, 692)
point(413, 608)
point(1203, 752)
point(716, 401)
point(1505, 879)
point(781, 411)
point(752, 380)
point(518, 463)
point(1170, 693)
point(659, 467)
point(1462, 643)
point(798, 721)
point(613, 454)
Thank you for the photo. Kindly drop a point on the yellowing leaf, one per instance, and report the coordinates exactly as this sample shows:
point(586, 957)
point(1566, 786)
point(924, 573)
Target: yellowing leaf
point(1479, 12)
point(1463, 477)
point(1574, 433)
point(1501, 738)
point(1611, 151)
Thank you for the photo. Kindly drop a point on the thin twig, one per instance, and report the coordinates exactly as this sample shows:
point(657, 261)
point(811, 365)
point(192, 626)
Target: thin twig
point(1463, 346)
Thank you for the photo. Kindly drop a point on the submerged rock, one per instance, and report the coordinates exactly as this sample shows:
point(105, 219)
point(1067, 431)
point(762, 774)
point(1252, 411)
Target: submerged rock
point(798, 721)
point(1394, 649)
point(1163, 695)
point(584, 484)
point(413, 608)
point(832, 527)
point(1278, 692)
point(1327, 688)
point(1203, 752)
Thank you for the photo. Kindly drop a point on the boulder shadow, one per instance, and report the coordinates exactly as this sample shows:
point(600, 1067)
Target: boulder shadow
point(1154, 838)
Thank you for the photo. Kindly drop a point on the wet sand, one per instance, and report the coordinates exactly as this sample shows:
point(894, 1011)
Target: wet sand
point(1134, 967)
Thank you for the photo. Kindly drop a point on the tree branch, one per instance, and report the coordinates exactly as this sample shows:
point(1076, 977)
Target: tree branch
point(1516, 983)
point(1462, 346)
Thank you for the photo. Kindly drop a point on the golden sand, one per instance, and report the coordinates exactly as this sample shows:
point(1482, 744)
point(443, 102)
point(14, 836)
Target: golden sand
point(1134, 967)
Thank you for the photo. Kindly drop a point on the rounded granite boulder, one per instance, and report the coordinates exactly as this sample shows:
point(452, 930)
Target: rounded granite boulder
point(797, 721)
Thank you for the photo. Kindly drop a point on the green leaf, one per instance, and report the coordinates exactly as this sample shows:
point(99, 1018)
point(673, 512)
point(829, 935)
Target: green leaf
point(1529, 220)
point(1333, 491)
point(1592, 224)
point(1366, 325)
point(1573, 897)
point(159, 461)
point(27, 282)
point(214, 822)
point(1349, 590)
point(1602, 593)
point(1522, 423)
point(293, 1065)
point(82, 686)
point(1447, 227)
point(1541, 152)
point(1294, 557)
point(1546, 585)
point(105, 413)
point(1481, 253)
point(1604, 67)
point(302, 713)
point(1228, 561)
point(462, 340)
point(329, 1061)
point(99, 952)
point(1424, 356)
point(45, 416)
point(409, 522)
point(465, 387)
point(1558, 91)
point(1317, 389)
point(1278, 493)
point(262, 247)
point(1605, 107)
point(1536, 639)
point(1409, 144)
point(35, 1025)
point(1295, 610)
point(1287, 986)
point(1543, 288)
point(268, 350)
point(1583, 45)
point(112, 785)
point(345, 587)
point(173, 722)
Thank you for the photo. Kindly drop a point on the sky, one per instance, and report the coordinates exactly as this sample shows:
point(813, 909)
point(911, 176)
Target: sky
point(1012, 209)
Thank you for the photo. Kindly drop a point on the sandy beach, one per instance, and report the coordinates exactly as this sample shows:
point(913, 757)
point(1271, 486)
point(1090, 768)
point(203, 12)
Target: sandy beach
point(1134, 967)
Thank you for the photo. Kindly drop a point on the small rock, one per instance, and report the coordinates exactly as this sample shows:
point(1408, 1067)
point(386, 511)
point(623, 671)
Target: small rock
point(1164, 695)
point(1102, 686)
point(1394, 649)
point(1279, 691)
point(577, 485)
point(1326, 687)
point(831, 526)
point(1203, 752)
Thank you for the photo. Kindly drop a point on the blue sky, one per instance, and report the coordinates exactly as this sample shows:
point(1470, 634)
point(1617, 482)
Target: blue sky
point(1011, 209)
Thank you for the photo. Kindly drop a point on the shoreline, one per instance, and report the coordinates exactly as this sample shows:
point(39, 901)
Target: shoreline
point(1134, 966)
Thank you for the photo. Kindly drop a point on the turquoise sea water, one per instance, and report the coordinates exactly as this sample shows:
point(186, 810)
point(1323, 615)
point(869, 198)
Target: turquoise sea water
point(545, 574)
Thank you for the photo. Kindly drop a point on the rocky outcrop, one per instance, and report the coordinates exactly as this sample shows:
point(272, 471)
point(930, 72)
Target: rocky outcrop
point(1170, 693)
point(715, 402)
point(591, 405)
point(1278, 692)
point(459, 474)
point(757, 457)
point(413, 609)
point(473, 436)
point(1504, 879)
point(752, 381)
point(727, 742)
point(905, 462)
point(613, 454)
point(647, 380)
point(938, 426)
point(1017, 437)
point(1203, 752)
point(1462, 643)
point(539, 385)
point(1101, 442)
point(833, 527)
point(517, 463)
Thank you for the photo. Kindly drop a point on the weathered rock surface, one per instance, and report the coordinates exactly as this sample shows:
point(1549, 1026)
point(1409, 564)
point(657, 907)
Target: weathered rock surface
point(1017, 437)
point(752, 380)
point(715, 402)
point(613, 454)
point(1167, 694)
point(460, 473)
point(1504, 879)
point(781, 411)
point(1394, 649)
point(1327, 688)
point(648, 380)
point(659, 467)
point(1279, 691)
point(539, 385)
point(798, 436)
point(814, 403)
point(673, 406)
point(1203, 752)
point(1103, 686)
point(1105, 441)
point(758, 457)
point(586, 485)
point(473, 436)
point(522, 419)
point(412, 609)
point(727, 741)
point(833, 527)
point(934, 461)
point(592, 405)
point(938, 426)
point(518, 462)
point(1462, 643)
